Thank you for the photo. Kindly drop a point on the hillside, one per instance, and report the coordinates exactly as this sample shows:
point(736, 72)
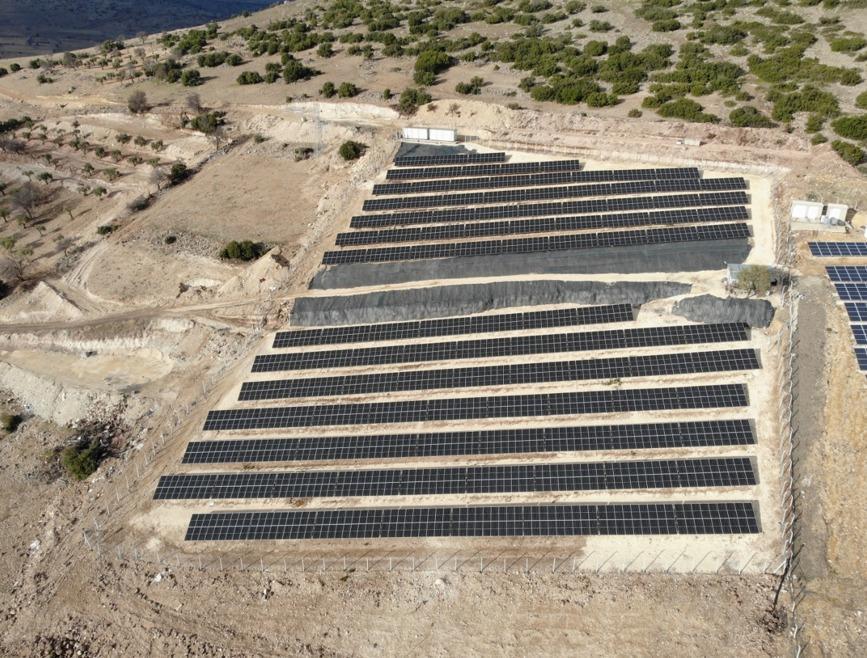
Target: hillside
point(38, 27)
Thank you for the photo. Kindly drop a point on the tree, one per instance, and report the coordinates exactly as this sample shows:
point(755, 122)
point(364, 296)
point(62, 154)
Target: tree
point(137, 102)
point(179, 173)
point(755, 279)
point(250, 78)
point(411, 99)
point(851, 153)
point(26, 198)
point(45, 177)
point(352, 150)
point(428, 64)
point(194, 103)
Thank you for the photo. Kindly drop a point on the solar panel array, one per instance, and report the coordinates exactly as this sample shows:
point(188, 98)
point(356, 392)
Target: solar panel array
point(638, 436)
point(462, 199)
point(552, 208)
point(482, 170)
point(521, 478)
point(857, 311)
point(473, 324)
point(480, 521)
point(861, 357)
point(547, 243)
point(547, 372)
point(501, 347)
point(620, 400)
point(450, 159)
point(852, 292)
point(564, 192)
point(838, 249)
point(850, 281)
point(543, 225)
point(547, 178)
point(847, 273)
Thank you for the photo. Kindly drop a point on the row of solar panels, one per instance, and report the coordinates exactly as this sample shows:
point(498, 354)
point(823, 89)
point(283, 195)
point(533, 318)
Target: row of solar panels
point(850, 282)
point(521, 180)
point(546, 372)
point(615, 339)
point(473, 324)
point(638, 237)
point(618, 400)
point(542, 225)
point(551, 208)
point(524, 195)
point(451, 480)
point(461, 171)
point(576, 438)
point(838, 249)
point(480, 521)
point(449, 159)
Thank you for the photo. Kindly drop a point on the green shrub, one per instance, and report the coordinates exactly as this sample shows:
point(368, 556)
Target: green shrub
point(325, 50)
point(428, 64)
point(328, 90)
point(15, 67)
point(749, 117)
point(411, 99)
point(808, 99)
point(105, 229)
point(848, 44)
point(851, 153)
point(10, 422)
point(250, 78)
point(861, 100)
point(686, 109)
point(634, 113)
point(191, 78)
point(754, 279)
point(853, 127)
point(347, 90)
point(293, 70)
point(212, 59)
point(245, 250)
point(595, 48)
point(474, 86)
point(234, 59)
point(818, 138)
point(208, 122)
point(669, 25)
point(600, 26)
point(3, 72)
point(83, 460)
point(179, 173)
point(351, 150)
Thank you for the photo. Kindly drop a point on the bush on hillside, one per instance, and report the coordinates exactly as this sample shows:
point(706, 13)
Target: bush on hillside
point(351, 150)
point(853, 127)
point(749, 117)
point(851, 153)
point(245, 250)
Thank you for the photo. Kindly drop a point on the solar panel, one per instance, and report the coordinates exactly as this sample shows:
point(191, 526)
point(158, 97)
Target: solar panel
point(859, 331)
point(443, 481)
point(857, 311)
point(852, 291)
point(542, 225)
point(656, 365)
point(638, 237)
point(547, 178)
point(551, 208)
point(511, 346)
point(861, 356)
point(474, 324)
point(480, 521)
point(838, 249)
point(563, 192)
point(483, 170)
point(847, 273)
point(477, 408)
point(450, 159)
point(580, 438)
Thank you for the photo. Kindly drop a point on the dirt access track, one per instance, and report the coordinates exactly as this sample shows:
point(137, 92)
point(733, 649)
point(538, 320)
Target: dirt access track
point(75, 572)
